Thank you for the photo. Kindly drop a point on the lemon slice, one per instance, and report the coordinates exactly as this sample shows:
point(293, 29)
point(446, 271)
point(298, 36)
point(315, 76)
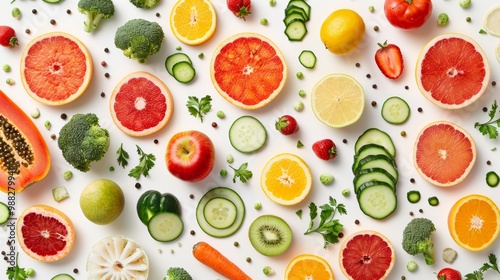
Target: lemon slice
point(491, 21)
point(497, 51)
point(338, 100)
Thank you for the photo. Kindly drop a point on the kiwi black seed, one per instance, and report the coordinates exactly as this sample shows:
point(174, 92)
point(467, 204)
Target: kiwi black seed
point(270, 235)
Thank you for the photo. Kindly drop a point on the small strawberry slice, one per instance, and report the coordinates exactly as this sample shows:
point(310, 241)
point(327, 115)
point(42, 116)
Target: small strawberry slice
point(325, 149)
point(287, 125)
point(389, 60)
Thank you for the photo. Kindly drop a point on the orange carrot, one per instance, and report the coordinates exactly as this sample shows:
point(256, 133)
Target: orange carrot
point(212, 258)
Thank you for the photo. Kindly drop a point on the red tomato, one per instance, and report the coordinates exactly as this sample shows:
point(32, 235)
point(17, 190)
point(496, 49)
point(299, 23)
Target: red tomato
point(407, 14)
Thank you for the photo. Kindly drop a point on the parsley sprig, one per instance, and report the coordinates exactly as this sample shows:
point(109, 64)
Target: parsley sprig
point(488, 128)
point(122, 156)
point(328, 227)
point(199, 107)
point(478, 274)
point(242, 173)
point(18, 273)
point(146, 162)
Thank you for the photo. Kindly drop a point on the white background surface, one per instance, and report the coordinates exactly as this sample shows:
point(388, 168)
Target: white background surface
point(311, 130)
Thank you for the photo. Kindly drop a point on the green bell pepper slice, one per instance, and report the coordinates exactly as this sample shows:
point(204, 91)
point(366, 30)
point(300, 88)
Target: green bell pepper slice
point(152, 202)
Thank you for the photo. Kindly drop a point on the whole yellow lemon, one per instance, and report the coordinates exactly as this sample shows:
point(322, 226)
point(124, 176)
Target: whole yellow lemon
point(342, 31)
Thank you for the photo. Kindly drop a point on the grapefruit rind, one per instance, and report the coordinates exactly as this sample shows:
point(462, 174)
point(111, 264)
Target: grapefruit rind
point(313, 257)
point(167, 114)
point(453, 219)
point(248, 70)
point(452, 85)
point(59, 79)
point(442, 166)
point(50, 213)
point(359, 251)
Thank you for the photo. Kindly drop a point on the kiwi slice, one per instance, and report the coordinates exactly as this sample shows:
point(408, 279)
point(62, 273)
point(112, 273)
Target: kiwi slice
point(270, 235)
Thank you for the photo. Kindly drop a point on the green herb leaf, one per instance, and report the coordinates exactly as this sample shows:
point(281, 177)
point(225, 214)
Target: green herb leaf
point(16, 273)
point(122, 156)
point(478, 274)
point(199, 107)
point(147, 161)
point(299, 213)
point(242, 173)
point(328, 227)
point(488, 128)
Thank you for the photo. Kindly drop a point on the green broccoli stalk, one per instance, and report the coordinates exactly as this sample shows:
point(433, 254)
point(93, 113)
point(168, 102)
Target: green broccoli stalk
point(148, 4)
point(177, 273)
point(417, 238)
point(83, 141)
point(95, 11)
point(139, 38)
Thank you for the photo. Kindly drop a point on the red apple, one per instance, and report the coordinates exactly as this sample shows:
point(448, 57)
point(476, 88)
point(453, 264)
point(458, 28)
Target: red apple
point(190, 155)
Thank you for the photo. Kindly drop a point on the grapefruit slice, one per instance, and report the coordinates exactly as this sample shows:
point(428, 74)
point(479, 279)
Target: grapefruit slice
point(141, 104)
point(56, 68)
point(309, 266)
point(452, 71)
point(366, 255)
point(45, 233)
point(248, 70)
point(444, 153)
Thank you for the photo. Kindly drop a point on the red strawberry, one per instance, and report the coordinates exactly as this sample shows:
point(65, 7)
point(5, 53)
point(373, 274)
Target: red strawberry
point(287, 125)
point(8, 36)
point(325, 149)
point(449, 274)
point(389, 60)
point(240, 8)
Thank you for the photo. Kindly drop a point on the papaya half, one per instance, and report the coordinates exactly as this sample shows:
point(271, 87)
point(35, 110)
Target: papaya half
point(24, 155)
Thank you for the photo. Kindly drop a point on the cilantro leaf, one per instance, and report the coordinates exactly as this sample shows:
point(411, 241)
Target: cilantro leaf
point(488, 128)
point(478, 274)
point(147, 161)
point(199, 107)
point(16, 273)
point(242, 173)
point(122, 156)
point(328, 227)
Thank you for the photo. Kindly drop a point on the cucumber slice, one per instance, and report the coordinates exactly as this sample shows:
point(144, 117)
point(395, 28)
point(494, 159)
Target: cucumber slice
point(373, 174)
point(4, 213)
point(293, 15)
point(377, 199)
point(52, 1)
point(60, 193)
point(247, 134)
point(375, 136)
point(165, 226)
point(379, 161)
point(220, 212)
point(175, 58)
point(296, 30)
point(395, 110)
point(367, 150)
point(291, 9)
point(308, 59)
point(413, 196)
point(63, 276)
point(433, 201)
point(492, 179)
point(301, 4)
point(183, 72)
point(226, 193)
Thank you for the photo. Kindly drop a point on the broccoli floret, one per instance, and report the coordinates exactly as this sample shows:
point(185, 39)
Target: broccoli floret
point(177, 273)
point(83, 141)
point(148, 4)
point(417, 238)
point(95, 11)
point(139, 38)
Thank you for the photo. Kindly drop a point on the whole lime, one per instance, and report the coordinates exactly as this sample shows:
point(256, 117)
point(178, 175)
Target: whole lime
point(102, 201)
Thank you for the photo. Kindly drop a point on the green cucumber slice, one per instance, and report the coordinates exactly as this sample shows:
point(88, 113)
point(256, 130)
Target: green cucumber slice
point(308, 59)
point(293, 15)
point(367, 150)
point(183, 72)
point(377, 199)
point(395, 110)
point(226, 193)
point(433, 201)
point(247, 134)
point(413, 196)
point(301, 4)
point(492, 179)
point(378, 161)
point(375, 136)
point(4, 213)
point(373, 174)
point(291, 9)
point(52, 1)
point(63, 276)
point(165, 226)
point(175, 58)
point(296, 30)
point(220, 212)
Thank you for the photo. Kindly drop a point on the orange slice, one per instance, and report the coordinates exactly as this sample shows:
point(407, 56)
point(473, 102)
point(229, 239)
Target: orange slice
point(309, 266)
point(474, 222)
point(193, 22)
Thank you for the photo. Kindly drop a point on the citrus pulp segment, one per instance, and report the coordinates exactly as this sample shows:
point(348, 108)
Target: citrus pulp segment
point(56, 68)
point(444, 153)
point(309, 266)
point(474, 222)
point(286, 179)
point(452, 71)
point(193, 22)
point(365, 255)
point(45, 233)
point(338, 100)
point(248, 70)
point(491, 21)
point(141, 104)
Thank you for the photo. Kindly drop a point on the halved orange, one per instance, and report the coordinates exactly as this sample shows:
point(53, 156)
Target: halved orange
point(193, 22)
point(309, 266)
point(56, 68)
point(474, 222)
point(248, 70)
point(286, 179)
point(45, 233)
